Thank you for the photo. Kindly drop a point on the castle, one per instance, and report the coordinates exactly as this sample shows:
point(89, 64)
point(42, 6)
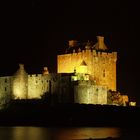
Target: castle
point(86, 74)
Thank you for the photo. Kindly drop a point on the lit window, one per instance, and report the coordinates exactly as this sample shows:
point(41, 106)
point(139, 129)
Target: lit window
point(74, 78)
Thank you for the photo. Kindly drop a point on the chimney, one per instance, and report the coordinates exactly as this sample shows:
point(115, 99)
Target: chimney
point(72, 43)
point(21, 66)
point(45, 71)
point(100, 40)
point(101, 45)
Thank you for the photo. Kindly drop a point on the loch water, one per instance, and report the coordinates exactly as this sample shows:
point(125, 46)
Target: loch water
point(67, 133)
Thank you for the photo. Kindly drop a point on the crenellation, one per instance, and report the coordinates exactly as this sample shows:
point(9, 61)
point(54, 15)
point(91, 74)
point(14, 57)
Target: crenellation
point(39, 75)
point(94, 53)
point(98, 54)
point(104, 54)
point(83, 51)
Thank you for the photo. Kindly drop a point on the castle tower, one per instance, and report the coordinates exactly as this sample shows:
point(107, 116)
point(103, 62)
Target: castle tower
point(101, 65)
point(20, 83)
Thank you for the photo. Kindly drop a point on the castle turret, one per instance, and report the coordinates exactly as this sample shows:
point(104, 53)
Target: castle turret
point(19, 84)
point(45, 71)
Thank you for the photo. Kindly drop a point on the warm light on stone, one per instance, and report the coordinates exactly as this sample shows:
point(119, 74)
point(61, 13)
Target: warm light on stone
point(72, 43)
point(85, 76)
point(46, 71)
point(20, 82)
point(101, 65)
point(132, 103)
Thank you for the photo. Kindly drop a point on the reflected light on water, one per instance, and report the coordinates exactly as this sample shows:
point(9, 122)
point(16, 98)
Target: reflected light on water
point(86, 133)
point(46, 133)
point(31, 133)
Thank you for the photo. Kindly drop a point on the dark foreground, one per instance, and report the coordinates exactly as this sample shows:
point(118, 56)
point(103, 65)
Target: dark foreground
point(39, 113)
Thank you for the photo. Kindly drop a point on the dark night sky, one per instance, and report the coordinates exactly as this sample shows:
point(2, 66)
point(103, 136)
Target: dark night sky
point(35, 36)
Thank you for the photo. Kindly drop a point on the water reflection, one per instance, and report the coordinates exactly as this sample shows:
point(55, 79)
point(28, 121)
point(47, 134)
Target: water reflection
point(30, 133)
point(24, 133)
point(86, 133)
point(44, 133)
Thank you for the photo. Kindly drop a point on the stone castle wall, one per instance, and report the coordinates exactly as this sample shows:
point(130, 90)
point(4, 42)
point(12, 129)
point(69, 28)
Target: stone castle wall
point(59, 86)
point(35, 86)
point(87, 93)
point(5, 89)
point(101, 65)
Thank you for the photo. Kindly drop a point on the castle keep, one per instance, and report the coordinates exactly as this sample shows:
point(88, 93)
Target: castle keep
point(85, 74)
point(101, 65)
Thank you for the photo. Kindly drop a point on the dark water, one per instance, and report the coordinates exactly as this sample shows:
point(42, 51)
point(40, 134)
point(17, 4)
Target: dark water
point(47, 133)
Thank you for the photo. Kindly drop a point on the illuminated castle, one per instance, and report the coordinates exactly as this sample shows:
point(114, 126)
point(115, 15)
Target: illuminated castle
point(85, 74)
point(98, 63)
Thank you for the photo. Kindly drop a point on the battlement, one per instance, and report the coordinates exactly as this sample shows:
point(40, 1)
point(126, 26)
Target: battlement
point(87, 53)
point(104, 54)
point(94, 51)
point(35, 75)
